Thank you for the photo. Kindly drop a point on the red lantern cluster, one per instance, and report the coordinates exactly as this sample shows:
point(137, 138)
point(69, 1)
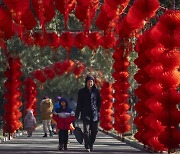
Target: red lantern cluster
point(65, 7)
point(67, 40)
point(49, 73)
point(94, 40)
point(12, 96)
point(140, 12)
point(81, 40)
point(44, 11)
point(110, 13)
point(85, 11)
point(78, 69)
point(159, 78)
point(39, 75)
point(30, 95)
point(148, 126)
point(6, 24)
point(106, 107)
point(166, 31)
point(108, 40)
point(121, 85)
point(22, 15)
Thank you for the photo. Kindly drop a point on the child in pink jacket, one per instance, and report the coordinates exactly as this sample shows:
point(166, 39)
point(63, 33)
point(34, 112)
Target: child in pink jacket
point(29, 122)
point(64, 116)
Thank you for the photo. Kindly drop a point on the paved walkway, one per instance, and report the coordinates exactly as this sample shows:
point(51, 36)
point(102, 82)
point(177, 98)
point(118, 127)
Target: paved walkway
point(38, 144)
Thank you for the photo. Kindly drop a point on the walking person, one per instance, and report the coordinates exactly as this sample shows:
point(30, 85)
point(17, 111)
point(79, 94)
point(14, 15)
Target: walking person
point(29, 122)
point(46, 108)
point(63, 116)
point(88, 104)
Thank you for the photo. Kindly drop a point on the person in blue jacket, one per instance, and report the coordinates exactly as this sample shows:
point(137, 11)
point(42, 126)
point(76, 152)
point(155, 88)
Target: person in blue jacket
point(64, 116)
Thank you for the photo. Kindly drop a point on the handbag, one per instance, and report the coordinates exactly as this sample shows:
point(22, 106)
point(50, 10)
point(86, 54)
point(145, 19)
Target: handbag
point(78, 134)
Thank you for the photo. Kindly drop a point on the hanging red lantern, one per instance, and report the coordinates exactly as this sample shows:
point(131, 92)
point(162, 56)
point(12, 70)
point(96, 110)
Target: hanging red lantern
point(22, 14)
point(78, 69)
point(58, 68)
point(85, 11)
point(108, 41)
point(94, 40)
point(105, 18)
point(167, 29)
point(49, 73)
point(170, 137)
point(67, 40)
point(81, 40)
point(39, 40)
point(44, 10)
point(65, 7)
point(6, 24)
point(67, 65)
point(106, 106)
point(12, 96)
point(38, 74)
point(30, 95)
point(53, 40)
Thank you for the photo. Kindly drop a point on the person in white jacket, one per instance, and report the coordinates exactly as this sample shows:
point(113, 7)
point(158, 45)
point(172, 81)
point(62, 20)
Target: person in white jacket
point(29, 122)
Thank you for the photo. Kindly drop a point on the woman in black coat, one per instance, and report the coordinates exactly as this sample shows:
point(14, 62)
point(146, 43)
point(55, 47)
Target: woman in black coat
point(88, 105)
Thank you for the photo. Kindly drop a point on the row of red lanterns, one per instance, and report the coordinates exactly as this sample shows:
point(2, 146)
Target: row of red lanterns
point(120, 86)
point(67, 40)
point(59, 68)
point(110, 14)
point(30, 95)
point(141, 12)
point(159, 79)
point(12, 96)
point(106, 120)
point(20, 12)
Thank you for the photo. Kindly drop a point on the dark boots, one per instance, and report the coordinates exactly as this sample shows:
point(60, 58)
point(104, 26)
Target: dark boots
point(45, 135)
point(63, 147)
point(50, 133)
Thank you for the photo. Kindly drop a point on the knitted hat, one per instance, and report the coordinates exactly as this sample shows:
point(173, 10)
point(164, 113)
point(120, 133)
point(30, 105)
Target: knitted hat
point(89, 77)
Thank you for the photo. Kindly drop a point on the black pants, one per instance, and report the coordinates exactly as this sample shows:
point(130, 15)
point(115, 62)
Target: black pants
point(63, 136)
point(90, 132)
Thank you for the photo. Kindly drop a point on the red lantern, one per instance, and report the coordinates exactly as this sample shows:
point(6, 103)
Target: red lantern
point(6, 24)
point(49, 73)
point(58, 68)
point(94, 40)
point(65, 7)
point(38, 74)
point(78, 69)
point(81, 40)
point(67, 40)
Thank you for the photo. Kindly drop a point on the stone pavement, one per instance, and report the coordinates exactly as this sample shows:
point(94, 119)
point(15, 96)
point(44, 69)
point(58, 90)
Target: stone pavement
point(37, 144)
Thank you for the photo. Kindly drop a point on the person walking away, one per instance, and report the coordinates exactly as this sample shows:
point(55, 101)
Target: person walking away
point(46, 108)
point(63, 116)
point(88, 104)
point(29, 122)
point(56, 105)
point(72, 104)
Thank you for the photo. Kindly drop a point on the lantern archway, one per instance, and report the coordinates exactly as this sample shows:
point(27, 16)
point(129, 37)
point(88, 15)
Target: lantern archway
point(17, 17)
